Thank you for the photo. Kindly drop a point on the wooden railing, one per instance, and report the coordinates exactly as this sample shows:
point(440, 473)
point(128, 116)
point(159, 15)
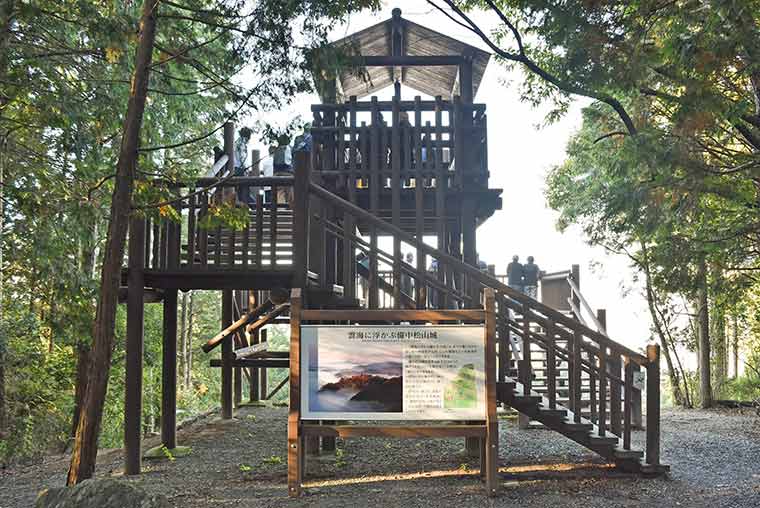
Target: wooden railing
point(201, 233)
point(363, 145)
point(589, 356)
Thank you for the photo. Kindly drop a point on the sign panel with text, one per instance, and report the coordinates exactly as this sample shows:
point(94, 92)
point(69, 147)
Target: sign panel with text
point(401, 372)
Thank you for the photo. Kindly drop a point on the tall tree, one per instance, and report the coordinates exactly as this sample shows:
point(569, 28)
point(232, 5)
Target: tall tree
point(86, 444)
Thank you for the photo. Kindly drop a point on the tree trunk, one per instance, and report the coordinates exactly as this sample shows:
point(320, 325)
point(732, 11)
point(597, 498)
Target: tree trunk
point(189, 339)
point(83, 365)
point(703, 336)
point(87, 257)
point(659, 326)
point(86, 444)
point(182, 336)
point(7, 11)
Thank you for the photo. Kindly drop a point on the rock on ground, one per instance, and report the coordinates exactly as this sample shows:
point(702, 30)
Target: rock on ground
point(105, 493)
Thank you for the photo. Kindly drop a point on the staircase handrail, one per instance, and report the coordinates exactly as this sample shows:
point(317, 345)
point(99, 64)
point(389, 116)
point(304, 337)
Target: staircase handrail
point(475, 273)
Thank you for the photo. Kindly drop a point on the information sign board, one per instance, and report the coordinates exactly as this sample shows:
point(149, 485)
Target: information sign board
point(400, 372)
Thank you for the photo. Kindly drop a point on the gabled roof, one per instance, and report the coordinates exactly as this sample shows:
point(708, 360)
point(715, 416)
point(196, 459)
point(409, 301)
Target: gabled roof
point(417, 40)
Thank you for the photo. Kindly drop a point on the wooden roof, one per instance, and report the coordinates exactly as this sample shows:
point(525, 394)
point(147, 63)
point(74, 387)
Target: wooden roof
point(417, 40)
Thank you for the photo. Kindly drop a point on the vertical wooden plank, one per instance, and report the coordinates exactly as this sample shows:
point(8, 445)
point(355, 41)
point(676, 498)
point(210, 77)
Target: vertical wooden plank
point(246, 233)
point(349, 256)
point(576, 376)
point(628, 391)
point(218, 247)
point(492, 423)
point(396, 199)
point(551, 364)
point(134, 349)
point(259, 245)
point(592, 388)
point(441, 186)
point(349, 225)
point(295, 451)
point(263, 371)
point(169, 371)
point(602, 423)
point(527, 364)
point(163, 242)
point(203, 231)
point(148, 245)
point(155, 261)
point(503, 340)
point(353, 148)
point(301, 219)
point(253, 381)
point(653, 405)
point(375, 182)
point(419, 204)
point(227, 354)
point(191, 226)
point(273, 206)
point(172, 243)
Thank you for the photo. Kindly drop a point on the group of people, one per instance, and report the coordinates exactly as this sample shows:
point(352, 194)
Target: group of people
point(523, 277)
point(279, 163)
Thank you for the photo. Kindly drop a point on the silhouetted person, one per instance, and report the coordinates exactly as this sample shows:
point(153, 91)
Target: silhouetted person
point(530, 278)
point(239, 169)
point(515, 274)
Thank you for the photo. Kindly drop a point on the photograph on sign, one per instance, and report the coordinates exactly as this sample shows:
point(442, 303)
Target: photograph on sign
point(393, 373)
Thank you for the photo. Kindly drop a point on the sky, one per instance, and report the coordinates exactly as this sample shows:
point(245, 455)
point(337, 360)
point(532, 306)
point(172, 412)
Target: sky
point(520, 155)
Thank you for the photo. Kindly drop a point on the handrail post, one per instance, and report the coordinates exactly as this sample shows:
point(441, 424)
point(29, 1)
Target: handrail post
point(301, 218)
point(653, 405)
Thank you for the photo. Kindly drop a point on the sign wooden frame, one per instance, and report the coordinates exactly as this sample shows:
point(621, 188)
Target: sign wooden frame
point(298, 430)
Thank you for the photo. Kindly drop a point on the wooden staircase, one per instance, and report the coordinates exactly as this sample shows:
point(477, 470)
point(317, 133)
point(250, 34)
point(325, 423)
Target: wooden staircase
point(584, 432)
point(573, 379)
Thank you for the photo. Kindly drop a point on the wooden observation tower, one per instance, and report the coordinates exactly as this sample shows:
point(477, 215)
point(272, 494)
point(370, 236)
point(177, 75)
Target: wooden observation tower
point(383, 179)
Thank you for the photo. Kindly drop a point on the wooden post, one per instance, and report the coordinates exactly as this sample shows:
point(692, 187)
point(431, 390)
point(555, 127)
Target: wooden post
point(253, 379)
point(227, 354)
point(301, 219)
point(134, 348)
point(295, 451)
point(492, 423)
point(637, 417)
point(628, 391)
point(169, 372)
point(263, 371)
point(237, 373)
point(653, 405)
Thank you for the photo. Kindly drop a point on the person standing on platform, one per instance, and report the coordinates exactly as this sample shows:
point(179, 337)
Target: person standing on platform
point(267, 169)
point(531, 274)
point(283, 166)
point(239, 168)
point(515, 274)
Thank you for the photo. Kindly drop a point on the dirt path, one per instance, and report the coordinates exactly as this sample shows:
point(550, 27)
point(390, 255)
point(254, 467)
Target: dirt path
point(714, 455)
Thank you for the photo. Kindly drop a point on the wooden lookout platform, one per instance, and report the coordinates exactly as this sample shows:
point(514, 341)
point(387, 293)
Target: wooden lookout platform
point(383, 178)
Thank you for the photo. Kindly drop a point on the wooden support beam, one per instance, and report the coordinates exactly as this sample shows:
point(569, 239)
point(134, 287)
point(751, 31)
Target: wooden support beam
point(295, 441)
point(392, 315)
point(227, 357)
point(653, 405)
point(398, 431)
point(169, 372)
point(406, 61)
point(491, 440)
point(134, 349)
point(232, 328)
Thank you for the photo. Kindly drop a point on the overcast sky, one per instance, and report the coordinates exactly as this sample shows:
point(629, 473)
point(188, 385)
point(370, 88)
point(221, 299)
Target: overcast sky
point(520, 155)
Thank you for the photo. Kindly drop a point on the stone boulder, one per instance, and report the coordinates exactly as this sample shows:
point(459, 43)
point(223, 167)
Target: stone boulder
point(100, 493)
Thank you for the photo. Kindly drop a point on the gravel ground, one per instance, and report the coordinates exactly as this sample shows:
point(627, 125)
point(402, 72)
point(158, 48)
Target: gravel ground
point(714, 458)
